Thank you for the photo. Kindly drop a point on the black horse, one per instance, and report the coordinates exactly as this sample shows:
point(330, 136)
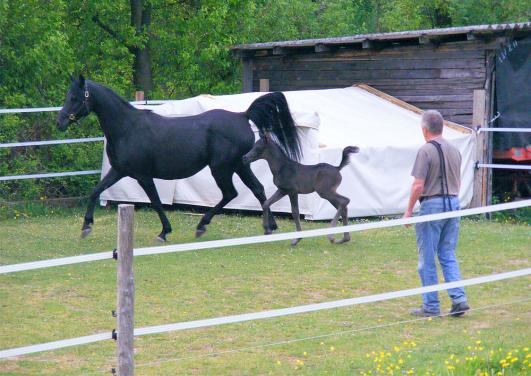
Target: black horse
point(144, 145)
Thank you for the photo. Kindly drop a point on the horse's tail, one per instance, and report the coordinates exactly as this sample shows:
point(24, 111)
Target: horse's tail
point(346, 153)
point(270, 113)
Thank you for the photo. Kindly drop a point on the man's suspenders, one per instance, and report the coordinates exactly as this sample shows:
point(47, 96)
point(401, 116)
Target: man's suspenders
point(443, 177)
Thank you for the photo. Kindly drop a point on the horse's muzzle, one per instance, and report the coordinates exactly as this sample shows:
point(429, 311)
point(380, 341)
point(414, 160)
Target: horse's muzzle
point(62, 121)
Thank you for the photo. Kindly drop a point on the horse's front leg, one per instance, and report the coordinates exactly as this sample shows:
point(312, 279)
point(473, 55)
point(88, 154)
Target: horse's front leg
point(108, 180)
point(294, 200)
point(149, 187)
point(266, 216)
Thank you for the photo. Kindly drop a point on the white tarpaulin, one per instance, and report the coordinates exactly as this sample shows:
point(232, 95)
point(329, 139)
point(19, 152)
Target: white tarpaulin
point(377, 181)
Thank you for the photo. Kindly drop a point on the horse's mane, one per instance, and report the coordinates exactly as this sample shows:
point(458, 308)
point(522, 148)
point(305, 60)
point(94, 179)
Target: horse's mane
point(110, 92)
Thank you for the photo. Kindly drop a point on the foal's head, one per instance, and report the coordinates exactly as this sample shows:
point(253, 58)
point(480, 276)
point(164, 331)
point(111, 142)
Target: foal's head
point(262, 149)
point(76, 104)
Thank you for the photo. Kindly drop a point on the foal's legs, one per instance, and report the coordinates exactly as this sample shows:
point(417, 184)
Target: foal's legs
point(223, 178)
point(267, 204)
point(249, 179)
point(112, 177)
point(149, 187)
point(294, 200)
point(340, 203)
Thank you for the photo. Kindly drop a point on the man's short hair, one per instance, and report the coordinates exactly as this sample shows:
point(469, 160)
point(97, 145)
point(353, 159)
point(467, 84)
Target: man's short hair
point(432, 120)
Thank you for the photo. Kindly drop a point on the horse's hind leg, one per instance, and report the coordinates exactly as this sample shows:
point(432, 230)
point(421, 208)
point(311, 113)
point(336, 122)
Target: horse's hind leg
point(343, 210)
point(149, 187)
point(112, 177)
point(340, 203)
point(249, 179)
point(223, 179)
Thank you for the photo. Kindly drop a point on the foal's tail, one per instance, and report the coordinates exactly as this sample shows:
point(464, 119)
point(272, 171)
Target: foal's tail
point(346, 153)
point(270, 113)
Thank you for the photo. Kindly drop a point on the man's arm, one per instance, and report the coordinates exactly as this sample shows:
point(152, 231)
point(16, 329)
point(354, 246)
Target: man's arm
point(416, 191)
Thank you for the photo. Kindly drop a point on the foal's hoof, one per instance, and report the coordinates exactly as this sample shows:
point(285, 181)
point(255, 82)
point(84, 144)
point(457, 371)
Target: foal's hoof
point(294, 242)
point(345, 239)
point(85, 232)
point(199, 232)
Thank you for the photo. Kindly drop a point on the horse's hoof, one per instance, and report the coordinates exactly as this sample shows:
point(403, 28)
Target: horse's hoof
point(268, 232)
point(199, 232)
point(160, 239)
point(274, 226)
point(331, 239)
point(85, 232)
point(344, 240)
point(294, 242)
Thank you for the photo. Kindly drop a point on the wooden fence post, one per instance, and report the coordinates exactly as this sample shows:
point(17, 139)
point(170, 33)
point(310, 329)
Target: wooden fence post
point(480, 175)
point(264, 84)
point(126, 290)
point(139, 96)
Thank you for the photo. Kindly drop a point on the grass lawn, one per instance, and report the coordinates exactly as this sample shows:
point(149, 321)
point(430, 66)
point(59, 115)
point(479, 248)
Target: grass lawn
point(70, 301)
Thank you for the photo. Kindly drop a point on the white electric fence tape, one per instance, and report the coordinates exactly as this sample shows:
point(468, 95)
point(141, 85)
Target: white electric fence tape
point(55, 345)
point(52, 142)
point(49, 175)
point(327, 305)
point(265, 238)
point(504, 166)
point(519, 130)
point(51, 109)
point(265, 314)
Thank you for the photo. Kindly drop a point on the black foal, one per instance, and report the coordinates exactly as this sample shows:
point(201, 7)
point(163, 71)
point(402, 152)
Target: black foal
point(292, 178)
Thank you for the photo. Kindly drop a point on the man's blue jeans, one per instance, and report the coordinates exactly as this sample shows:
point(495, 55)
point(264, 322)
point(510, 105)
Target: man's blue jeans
point(438, 239)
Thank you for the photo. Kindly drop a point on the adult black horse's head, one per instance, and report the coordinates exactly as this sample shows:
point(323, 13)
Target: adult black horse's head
point(76, 104)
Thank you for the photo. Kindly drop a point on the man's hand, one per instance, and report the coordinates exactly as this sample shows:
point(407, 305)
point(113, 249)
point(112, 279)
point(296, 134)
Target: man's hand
point(407, 214)
point(416, 190)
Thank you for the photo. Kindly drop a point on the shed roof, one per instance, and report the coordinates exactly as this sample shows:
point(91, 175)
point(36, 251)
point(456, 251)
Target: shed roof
point(464, 32)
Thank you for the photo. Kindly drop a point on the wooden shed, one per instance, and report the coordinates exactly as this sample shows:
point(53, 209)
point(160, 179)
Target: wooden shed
point(451, 70)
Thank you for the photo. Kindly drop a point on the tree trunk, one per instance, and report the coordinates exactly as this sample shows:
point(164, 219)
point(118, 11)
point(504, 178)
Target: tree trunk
point(141, 20)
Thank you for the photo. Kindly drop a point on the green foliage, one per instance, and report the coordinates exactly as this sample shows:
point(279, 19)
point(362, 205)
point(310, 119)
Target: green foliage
point(42, 42)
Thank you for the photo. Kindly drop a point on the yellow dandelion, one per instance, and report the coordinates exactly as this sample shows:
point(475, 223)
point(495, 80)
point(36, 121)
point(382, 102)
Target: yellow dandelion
point(410, 372)
point(305, 353)
point(396, 348)
point(515, 359)
point(332, 348)
point(278, 362)
point(526, 349)
point(400, 361)
point(478, 342)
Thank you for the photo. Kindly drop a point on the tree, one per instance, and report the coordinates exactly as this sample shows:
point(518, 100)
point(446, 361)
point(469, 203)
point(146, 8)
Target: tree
point(139, 44)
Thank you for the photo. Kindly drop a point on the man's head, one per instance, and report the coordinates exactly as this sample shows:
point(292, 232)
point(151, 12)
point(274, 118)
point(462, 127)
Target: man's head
point(431, 123)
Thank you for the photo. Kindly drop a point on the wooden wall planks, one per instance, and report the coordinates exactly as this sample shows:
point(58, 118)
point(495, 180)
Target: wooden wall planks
point(442, 78)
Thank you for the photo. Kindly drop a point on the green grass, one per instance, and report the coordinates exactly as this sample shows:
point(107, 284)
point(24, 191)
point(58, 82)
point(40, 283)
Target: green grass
point(70, 301)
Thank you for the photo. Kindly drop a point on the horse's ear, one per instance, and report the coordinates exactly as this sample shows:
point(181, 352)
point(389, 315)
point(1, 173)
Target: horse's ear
point(81, 81)
point(267, 137)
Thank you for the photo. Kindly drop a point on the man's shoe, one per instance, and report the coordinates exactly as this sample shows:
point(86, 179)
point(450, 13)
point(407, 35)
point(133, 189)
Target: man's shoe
point(459, 309)
point(420, 312)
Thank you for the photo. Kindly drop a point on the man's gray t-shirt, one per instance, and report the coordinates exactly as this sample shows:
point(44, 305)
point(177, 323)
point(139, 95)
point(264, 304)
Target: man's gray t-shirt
point(427, 167)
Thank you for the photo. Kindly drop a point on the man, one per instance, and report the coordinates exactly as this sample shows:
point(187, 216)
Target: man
point(436, 184)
